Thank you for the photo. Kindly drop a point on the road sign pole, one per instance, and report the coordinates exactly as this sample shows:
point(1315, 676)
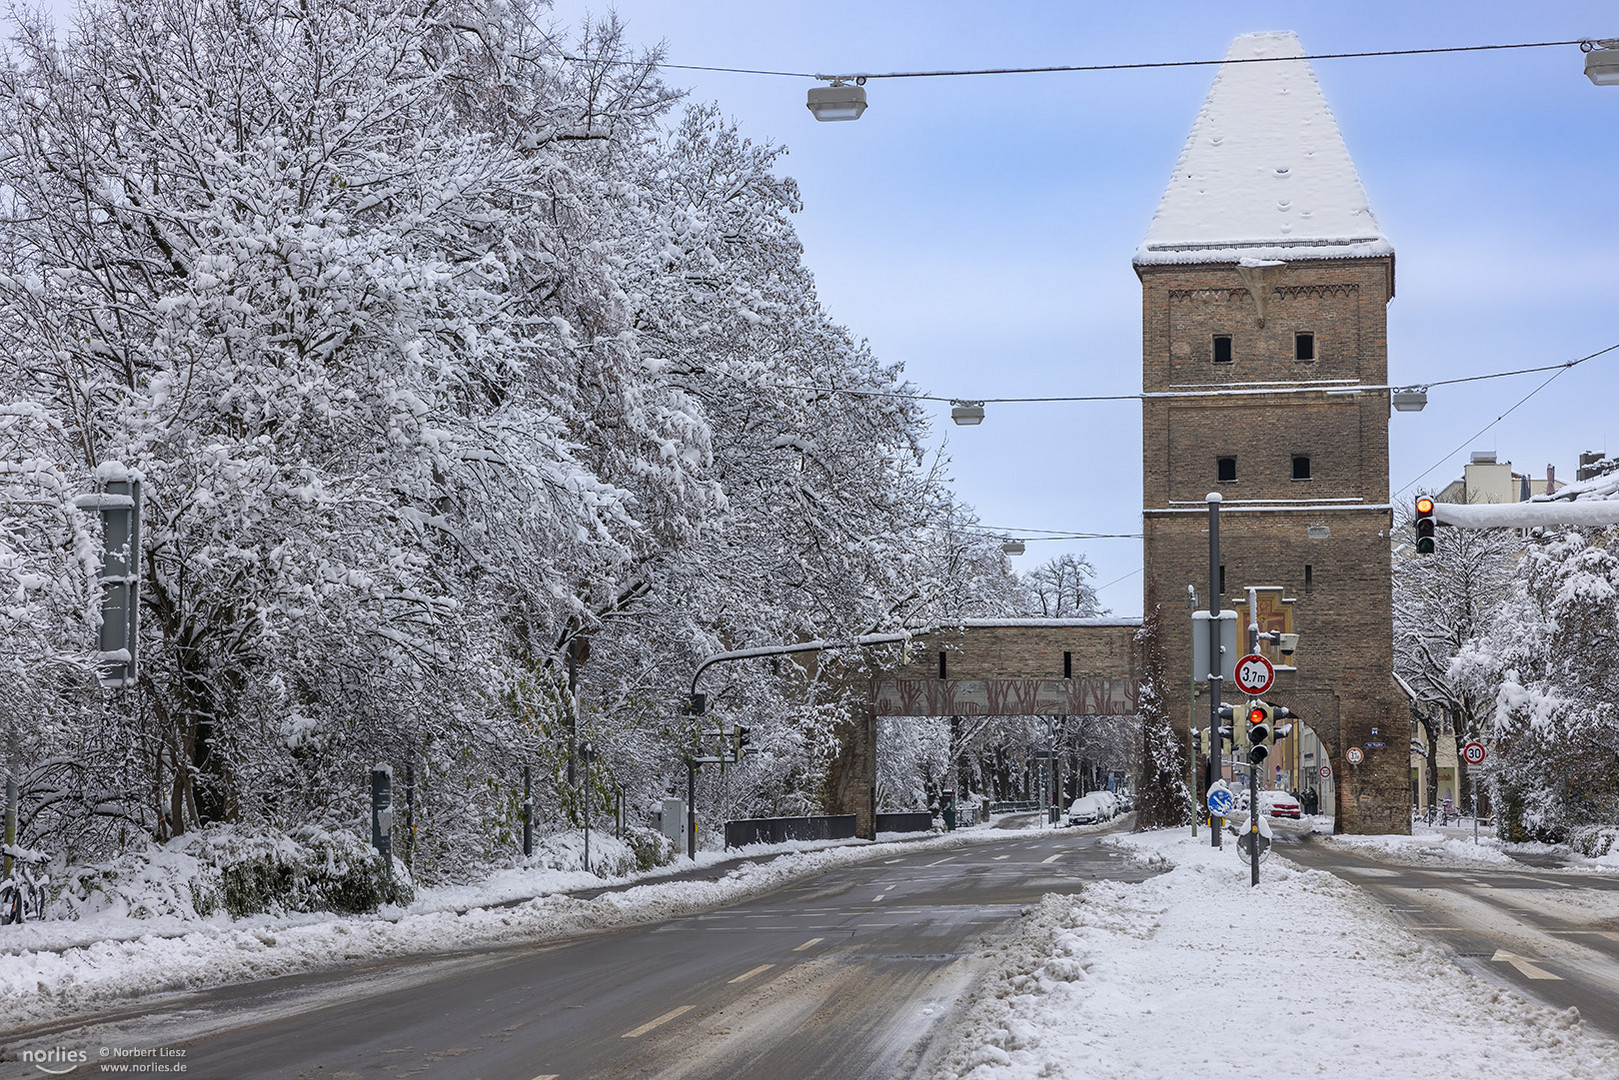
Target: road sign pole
point(1216, 661)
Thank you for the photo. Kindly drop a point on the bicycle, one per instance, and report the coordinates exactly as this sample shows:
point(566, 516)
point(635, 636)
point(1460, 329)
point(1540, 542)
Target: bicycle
point(23, 889)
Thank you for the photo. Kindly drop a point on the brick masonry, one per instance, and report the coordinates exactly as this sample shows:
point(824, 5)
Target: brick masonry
point(1344, 687)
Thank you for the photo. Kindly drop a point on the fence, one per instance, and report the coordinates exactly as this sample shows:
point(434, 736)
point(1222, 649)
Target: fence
point(908, 821)
point(780, 829)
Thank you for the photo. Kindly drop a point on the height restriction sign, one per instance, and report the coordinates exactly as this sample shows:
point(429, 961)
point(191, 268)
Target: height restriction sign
point(1254, 674)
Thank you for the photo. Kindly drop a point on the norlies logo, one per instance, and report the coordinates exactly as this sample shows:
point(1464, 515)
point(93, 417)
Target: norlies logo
point(57, 1060)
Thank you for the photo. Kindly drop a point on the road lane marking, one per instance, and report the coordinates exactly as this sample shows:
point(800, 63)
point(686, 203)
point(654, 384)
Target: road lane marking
point(1525, 968)
point(998, 858)
point(1609, 934)
point(746, 975)
point(658, 1022)
point(807, 944)
point(890, 862)
point(1054, 858)
point(547, 1076)
point(941, 862)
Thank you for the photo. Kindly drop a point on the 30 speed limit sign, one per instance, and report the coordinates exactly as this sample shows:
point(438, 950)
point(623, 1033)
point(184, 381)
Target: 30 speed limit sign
point(1255, 674)
point(1473, 753)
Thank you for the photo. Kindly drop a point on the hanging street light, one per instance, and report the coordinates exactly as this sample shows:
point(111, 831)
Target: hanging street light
point(1012, 547)
point(1602, 61)
point(1411, 398)
point(967, 413)
point(840, 101)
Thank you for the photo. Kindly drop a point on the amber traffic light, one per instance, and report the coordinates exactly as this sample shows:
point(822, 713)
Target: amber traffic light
point(1425, 538)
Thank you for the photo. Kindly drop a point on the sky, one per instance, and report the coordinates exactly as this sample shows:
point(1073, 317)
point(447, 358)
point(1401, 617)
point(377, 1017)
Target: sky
point(979, 230)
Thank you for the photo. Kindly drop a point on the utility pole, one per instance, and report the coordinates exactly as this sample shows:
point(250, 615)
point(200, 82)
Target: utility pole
point(1216, 663)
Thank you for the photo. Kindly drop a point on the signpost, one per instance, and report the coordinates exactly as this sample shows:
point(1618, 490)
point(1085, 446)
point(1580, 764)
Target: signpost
point(1326, 772)
point(1355, 755)
point(1220, 801)
point(1255, 674)
point(1474, 753)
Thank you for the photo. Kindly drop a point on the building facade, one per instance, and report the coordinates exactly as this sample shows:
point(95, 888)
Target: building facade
point(1265, 280)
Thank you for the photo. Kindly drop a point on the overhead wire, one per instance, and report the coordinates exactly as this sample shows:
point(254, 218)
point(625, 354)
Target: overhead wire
point(1556, 369)
point(1137, 66)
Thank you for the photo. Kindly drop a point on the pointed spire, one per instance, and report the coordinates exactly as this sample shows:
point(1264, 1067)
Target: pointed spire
point(1265, 174)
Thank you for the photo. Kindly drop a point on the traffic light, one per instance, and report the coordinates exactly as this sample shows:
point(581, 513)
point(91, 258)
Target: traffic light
point(741, 739)
point(1259, 715)
point(1425, 523)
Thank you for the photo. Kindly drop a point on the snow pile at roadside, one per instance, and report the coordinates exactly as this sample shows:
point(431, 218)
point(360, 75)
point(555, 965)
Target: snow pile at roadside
point(1195, 973)
point(47, 979)
point(1425, 849)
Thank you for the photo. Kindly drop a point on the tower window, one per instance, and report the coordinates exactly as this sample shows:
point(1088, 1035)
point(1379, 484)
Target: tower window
point(1309, 578)
point(1304, 346)
point(1068, 665)
point(1301, 467)
point(1222, 348)
point(941, 665)
point(1226, 469)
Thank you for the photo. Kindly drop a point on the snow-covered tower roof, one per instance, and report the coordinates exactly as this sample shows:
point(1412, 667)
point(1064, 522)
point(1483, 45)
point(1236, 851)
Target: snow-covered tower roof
point(1265, 173)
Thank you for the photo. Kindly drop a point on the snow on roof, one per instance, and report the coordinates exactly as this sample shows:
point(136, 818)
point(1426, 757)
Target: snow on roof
point(1265, 175)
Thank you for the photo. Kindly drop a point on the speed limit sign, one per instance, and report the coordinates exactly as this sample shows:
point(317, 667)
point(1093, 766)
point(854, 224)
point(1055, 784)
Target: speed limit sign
point(1473, 753)
point(1255, 674)
point(1326, 772)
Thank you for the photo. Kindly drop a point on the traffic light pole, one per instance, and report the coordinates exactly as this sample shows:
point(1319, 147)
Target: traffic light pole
point(1216, 662)
point(1253, 766)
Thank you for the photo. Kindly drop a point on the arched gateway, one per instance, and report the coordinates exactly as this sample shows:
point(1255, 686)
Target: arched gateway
point(988, 667)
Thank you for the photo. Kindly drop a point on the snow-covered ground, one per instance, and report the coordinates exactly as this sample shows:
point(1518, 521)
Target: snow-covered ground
point(1196, 974)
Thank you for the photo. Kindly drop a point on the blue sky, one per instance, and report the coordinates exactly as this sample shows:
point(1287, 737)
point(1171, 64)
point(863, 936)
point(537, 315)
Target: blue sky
point(980, 230)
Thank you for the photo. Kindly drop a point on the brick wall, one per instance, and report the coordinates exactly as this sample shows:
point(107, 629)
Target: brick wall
point(1344, 684)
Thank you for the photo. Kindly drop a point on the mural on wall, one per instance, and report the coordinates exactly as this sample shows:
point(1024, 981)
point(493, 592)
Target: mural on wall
point(1083, 696)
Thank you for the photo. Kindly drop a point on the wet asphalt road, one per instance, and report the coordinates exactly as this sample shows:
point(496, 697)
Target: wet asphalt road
point(846, 974)
point(1551, 935)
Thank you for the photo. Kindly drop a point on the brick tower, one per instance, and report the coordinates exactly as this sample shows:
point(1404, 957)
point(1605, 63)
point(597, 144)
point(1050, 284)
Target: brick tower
point(1264, 280)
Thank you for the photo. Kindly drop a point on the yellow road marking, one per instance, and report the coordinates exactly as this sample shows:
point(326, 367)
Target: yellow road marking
point(746, 975)
point(660, 1021)
point(807, 944)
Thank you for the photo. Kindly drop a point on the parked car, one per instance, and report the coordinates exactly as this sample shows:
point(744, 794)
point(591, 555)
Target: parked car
point(1090, 809)
point(1273, 804)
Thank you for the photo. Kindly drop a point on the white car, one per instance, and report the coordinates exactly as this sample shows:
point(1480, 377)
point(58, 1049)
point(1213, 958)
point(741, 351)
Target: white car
point(1091, 809)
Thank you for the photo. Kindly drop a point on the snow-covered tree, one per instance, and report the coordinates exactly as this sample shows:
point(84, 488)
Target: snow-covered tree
point(1163, 798)
point(1060, 588)
point(1550, 659)
point(1443, 602)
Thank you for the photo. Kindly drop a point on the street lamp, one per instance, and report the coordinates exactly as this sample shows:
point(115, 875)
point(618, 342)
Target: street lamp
point(1410, 398)
point(1602, 62)
point(967, 413)
point(1013, 547)
point(840, 101)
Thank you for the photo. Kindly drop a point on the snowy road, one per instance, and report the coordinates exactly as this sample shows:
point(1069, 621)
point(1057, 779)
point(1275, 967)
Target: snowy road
point(1550, 935)
point(841, 975)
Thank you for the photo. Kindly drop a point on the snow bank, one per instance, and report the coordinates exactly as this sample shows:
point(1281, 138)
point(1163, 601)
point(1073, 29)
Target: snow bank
point(1158, 980)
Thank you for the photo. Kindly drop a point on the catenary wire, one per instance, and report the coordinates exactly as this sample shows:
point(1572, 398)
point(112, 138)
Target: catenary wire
point(964, 399)
point(1060, 68)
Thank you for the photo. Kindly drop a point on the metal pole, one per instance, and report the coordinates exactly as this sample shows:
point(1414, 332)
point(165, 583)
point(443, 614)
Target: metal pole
point(528, 814)
point(1191, 722)
point(691, 809)
point(410, 813)
point(1475, 808)
point(585, 809)
point(1216, 661)
point(1253, 768)
point(573, 709)
point(13, 767)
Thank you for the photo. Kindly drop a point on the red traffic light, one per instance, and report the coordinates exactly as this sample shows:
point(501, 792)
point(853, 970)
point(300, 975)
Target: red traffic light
point(1256, 715)
point(1424, 505)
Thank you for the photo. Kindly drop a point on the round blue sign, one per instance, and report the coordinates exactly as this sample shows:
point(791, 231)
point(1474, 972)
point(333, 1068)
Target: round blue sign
point(1219, 801)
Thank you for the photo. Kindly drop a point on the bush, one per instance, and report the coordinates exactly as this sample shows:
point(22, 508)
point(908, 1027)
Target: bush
point(650, 847)
point(1595, 841)
point(240, 871)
